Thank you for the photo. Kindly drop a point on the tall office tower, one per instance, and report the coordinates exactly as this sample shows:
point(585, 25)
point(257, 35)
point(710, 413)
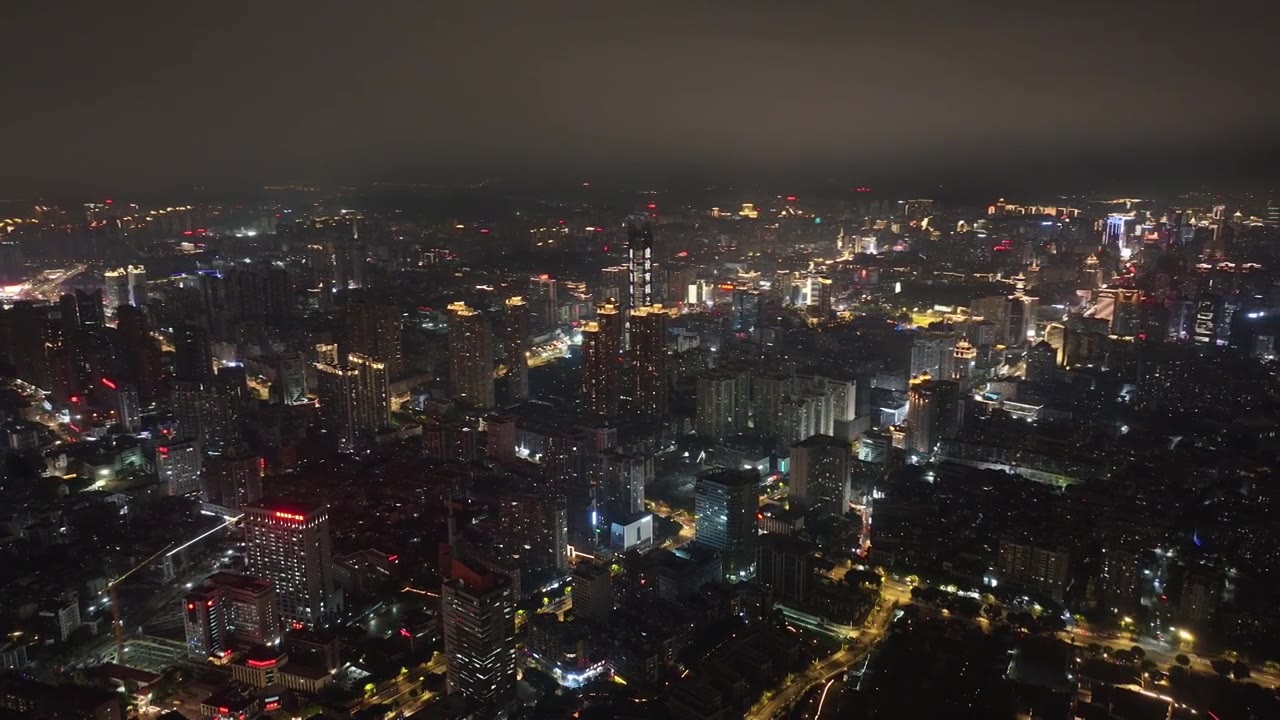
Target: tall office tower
point(722, 403)
point(140, 353)
point(820, 474)
point(477, 611)
point(602, 362)
point(724, 504)
point(640, 259)
point(471, 356)
point(287, 542)
point(747, 305)
point(932, 408)
point(291, 379)
point(373, 394)
point(338, 390)
point(178, 467)
point(592, 592)
point(202, 618)
point(234, 479)
point(515, 349)
point(649, 352)
point(192, 354)
point(1041, 362)
point(544, 306)
point(373, 329)
point(786, 564)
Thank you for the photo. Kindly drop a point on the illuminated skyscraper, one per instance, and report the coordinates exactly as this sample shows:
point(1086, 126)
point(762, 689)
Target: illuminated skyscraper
point(338, 389)
point(602, 361)
point(640, 259)
point(478, 616)
point(725, 503)
point(234, 479)
point(373, 329)
point(471, 356)
point(649, 354)
point(288, 543)
point(932, 407)
point(515, 348)
point(544, 305)
point(178, 467)
point(373, 394)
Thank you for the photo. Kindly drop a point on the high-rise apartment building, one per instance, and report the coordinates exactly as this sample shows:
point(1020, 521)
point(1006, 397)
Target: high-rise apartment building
point(192, 354)
point(820, 474)
point(602, 362)
point(478, 616)
point(932, 414)
point(786, 564)
point(725, 503)
point(287, 542)
point(178, 467)
point(515, 349)
point(592, 592)
point(544, 305)
point(471, 356)
point(372, 329)
point(233, 479)
point(649, 361)
point(373, 393)
point(723, 398)
point(338, 391)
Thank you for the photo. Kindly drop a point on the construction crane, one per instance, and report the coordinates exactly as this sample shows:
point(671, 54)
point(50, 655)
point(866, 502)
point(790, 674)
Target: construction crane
point(117, 626)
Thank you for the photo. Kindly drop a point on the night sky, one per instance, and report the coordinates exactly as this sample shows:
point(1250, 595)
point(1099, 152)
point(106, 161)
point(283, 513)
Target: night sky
point(154, 95)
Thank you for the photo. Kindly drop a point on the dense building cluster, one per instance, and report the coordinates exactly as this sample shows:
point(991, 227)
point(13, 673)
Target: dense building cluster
point(602, 456)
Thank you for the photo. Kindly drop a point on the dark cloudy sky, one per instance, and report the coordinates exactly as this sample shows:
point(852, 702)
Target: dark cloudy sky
point(150, 94)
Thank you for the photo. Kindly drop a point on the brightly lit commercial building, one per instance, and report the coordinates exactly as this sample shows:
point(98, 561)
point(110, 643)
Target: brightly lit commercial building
point(288, 543)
